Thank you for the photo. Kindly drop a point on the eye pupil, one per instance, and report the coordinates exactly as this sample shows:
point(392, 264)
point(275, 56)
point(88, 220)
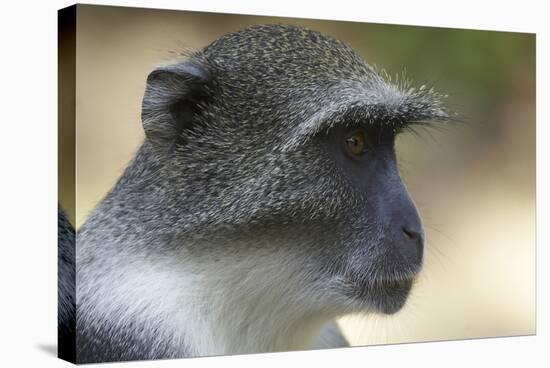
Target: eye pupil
point(357, 143)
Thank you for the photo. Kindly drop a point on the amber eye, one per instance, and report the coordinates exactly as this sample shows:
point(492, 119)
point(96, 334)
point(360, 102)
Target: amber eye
point(357, 143)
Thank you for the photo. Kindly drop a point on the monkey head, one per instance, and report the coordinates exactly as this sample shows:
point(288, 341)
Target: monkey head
point(274, 149)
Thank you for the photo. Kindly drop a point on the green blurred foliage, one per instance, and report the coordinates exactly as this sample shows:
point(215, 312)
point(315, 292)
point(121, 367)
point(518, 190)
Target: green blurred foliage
point(454, 58)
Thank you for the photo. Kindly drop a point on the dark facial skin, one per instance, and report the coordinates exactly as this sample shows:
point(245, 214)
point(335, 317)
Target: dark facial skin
point(384, 269)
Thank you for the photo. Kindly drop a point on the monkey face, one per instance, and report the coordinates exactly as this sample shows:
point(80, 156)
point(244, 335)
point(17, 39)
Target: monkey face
point(379, 247)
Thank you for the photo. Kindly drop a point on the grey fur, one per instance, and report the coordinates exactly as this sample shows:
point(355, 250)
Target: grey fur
point(233, 198)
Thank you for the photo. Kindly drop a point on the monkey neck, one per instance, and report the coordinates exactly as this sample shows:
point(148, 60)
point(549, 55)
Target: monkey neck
point(230, 305)
point(229, 317)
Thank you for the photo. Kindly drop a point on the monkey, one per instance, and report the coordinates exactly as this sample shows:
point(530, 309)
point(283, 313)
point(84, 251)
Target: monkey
point(66, 318)
point(264, 203)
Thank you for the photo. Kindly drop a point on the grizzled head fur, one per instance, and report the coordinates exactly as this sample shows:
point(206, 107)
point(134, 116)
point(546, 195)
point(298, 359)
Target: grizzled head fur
point(241, 173)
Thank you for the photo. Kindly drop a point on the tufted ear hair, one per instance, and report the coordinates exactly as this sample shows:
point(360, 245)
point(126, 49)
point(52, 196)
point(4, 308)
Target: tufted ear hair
point(171, 100)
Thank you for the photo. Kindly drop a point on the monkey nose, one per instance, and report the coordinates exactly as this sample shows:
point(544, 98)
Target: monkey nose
point(411, 233)
point(412, 242)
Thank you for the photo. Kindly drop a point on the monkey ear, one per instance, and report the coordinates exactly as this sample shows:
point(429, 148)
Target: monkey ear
point(171, 101)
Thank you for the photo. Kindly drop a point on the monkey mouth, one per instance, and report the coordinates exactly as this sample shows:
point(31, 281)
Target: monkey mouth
point(392, 284)
point(383, 296)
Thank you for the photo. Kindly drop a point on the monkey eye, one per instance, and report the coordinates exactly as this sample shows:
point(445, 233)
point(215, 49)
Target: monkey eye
point(357, 143)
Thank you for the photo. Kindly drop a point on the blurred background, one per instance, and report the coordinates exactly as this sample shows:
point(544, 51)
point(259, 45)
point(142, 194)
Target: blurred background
point(474, 182)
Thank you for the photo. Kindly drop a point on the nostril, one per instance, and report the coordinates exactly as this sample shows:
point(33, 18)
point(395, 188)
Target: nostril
point(411, 234)
point(412, 246)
